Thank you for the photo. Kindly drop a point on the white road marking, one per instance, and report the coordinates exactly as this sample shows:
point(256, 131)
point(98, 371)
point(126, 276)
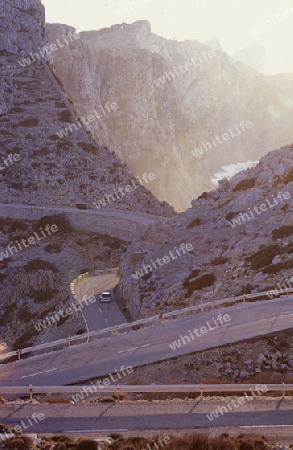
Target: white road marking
point(134, 348)
point(96, 431)
point(261, 426)
point(100, 310)
point(38, 373)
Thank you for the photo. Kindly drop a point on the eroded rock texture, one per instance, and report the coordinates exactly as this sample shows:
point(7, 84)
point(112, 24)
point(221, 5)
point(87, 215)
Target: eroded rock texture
point(51, 170)
point(155, 128)
point(241, 234)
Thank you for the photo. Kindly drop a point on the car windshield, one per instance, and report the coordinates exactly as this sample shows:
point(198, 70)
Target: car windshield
point(106, 294)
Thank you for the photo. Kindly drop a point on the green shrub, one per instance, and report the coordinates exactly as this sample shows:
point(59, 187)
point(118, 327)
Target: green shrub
point(43, 296)
point(116, 436)
point(282, 232)
point(60, 446)
point(289, 176)
point(65, 116)
point(204, 196)
point(39, 264)
point(199, 283)
point(4, 428)
point(263, 257)
point(246, 446)
point(16, 444)
point(24, 314)
point(86, 147)
point(25, 340)
point(195, 222)
point(51, 248)
point(243, 185)
point(29, 123)
point(276, 268)
point(219, 261)
point(60, 220)
point(87, 444)
point(80, 331)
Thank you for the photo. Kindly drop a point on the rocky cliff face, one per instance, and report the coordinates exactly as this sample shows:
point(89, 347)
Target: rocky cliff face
point(158, 124)
point(37, 167)
point(241, 238)
point(48, 168)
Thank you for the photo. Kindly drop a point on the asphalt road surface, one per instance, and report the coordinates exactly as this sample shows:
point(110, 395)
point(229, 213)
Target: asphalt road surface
point(139, 217)
point(99, 358)
point(163, 415)
point(100, 315)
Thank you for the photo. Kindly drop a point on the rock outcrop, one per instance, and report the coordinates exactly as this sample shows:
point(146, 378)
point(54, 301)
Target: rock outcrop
point(241, 234)
point(275, 361)
point(159, 123)
point(51, 170)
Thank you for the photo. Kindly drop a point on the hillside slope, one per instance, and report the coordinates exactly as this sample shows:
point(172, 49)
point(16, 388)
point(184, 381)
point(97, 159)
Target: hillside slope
point(39, 168)
point(241, 237)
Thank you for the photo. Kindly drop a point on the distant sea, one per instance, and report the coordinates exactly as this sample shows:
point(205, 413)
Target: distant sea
point(230, 170)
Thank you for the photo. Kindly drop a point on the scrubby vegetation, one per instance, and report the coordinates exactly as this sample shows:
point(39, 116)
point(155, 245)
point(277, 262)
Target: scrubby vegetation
point(243, 185)
point(198, 283)
point(188, 441)
point(60, 220)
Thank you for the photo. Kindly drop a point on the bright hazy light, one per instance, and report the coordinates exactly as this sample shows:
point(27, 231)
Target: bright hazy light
point(232, 21)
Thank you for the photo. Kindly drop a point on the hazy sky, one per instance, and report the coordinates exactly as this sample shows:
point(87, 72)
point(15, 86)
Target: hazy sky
point(232, 21)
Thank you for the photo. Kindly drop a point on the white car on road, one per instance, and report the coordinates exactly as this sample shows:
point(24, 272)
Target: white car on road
point(105, 297)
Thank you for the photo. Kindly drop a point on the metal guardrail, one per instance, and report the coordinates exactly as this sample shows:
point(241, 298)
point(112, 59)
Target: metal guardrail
point(161, 388)
point(158, 318)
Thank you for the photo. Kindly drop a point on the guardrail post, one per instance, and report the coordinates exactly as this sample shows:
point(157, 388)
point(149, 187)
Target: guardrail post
point(31, 393)
point(18, 354)
point(244, 299)
point(284, 390)
point(69, 341)
point(115, 332)
point(201, 391)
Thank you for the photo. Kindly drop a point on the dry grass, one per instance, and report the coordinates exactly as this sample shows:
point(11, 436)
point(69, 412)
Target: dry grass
point(196, 441)
point(121, 396)
point(188, 441)
point(55, 399)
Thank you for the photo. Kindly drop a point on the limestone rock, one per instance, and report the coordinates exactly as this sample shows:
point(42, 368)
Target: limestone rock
point(158, 124)
point(225, 246)
point(54, 170)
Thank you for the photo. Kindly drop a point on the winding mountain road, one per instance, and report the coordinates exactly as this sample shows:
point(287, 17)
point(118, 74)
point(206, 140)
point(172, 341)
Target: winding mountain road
point(100, 315)
point(35, 211)
point(124, 225)
point(148, 345)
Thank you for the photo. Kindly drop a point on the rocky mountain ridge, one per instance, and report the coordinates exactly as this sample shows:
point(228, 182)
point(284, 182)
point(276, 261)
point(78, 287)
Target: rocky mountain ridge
point(166, 111)
point(50, 170)
point(241, 238)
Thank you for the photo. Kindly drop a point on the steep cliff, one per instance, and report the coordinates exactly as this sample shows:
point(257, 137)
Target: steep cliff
point(38, 165)
point(172, 98)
